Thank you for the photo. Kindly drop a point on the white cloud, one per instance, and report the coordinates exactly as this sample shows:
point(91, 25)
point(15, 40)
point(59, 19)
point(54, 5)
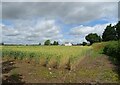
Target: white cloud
point(81, 31)
point(47, 29)
point(25, 33)
point(1, 25)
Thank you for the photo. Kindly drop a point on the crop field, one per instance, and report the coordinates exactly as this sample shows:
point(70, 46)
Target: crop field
point(67, 57)
point(57, 64)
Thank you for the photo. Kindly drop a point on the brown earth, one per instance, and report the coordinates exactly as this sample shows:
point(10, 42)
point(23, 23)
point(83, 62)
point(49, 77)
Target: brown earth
point(90, 70)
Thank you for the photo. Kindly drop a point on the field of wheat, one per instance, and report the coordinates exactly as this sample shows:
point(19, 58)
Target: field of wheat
point(49, 56)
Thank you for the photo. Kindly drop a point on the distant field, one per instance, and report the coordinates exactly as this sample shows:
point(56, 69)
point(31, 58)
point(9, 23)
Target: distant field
point(50, 56)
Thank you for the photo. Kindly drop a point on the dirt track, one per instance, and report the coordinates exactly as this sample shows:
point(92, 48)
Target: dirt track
point(90, 70)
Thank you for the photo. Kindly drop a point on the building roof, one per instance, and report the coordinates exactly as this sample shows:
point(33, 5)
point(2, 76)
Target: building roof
point(68, 43)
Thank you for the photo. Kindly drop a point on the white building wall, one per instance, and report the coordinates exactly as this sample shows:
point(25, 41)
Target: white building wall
point(69, 44)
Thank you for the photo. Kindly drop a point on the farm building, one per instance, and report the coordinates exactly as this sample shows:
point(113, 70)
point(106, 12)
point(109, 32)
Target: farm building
point(68, 44)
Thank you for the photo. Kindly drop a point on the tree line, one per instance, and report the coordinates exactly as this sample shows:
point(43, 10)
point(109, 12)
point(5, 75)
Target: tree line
point(48, 42)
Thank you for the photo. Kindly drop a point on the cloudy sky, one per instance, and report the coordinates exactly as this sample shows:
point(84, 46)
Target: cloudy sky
point(34, 22)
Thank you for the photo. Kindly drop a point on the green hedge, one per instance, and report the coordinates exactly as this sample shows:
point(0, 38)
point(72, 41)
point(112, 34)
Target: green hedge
point(112, 49)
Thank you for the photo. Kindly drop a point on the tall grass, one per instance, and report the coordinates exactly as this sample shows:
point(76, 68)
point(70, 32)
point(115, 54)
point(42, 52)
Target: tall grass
point(49, 56)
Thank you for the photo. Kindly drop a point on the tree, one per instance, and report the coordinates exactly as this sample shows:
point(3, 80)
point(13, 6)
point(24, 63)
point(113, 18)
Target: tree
point(55, 43)
point(47, 42)
point(109, 33)
point(118, 30)
point(2, 43)
point(92, 38)
point(39, 43)
point(51, 43)
point(84, 43)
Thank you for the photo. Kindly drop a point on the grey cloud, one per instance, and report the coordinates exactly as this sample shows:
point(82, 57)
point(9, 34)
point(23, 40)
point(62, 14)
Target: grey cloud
point(60, 0)
point(12, 35)
point(69, 12)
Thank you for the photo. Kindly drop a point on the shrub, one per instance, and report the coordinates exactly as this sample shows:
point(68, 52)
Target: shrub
point(112, 49)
